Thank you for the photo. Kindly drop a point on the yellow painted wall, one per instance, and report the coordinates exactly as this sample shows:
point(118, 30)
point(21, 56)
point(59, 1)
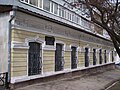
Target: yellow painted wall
point(20, 35)
point(107, 56)
point(67, 59)
point(18, 62)
point(111, 56)
point(19, 56)
point(81, 57)
point(97, 56)
point(91, 58)
point(48, 60)
point(103, 59)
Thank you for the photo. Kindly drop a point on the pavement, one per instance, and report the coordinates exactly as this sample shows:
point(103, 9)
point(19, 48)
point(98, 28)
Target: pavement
point(98, 81)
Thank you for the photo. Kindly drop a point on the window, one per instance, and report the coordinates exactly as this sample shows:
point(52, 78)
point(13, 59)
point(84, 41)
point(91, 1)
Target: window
point(67, 14)
point(94, 57)
point(78, 20)
point(105, 57)
point(46, 5)
point(75, 19)
point(49, 40)
point(63, 12)
point(86, 57)
point(112, 56)
point(55, 8)
point(70, 16)
point(100, 56)
point(59, 57)
point(33, 2)
point(51, 7)
point(35, 59)
point(74, 57)
point(60, 11)
point(40, 3)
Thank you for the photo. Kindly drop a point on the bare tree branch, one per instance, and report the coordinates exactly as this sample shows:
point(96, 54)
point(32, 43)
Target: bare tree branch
point(109, 17)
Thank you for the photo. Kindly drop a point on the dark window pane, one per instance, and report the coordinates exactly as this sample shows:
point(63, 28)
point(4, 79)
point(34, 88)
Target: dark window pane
point(86, 57)
point(105, 57)
point(59, 59)
point(100, 56)
point(35, 60)
point(94, 57)
point(112, 56)
point(49, 40)
point(73, 57)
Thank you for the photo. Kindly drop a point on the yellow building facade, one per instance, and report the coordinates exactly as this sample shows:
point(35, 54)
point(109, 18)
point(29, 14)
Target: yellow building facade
point(38, 41)
point(67, 37)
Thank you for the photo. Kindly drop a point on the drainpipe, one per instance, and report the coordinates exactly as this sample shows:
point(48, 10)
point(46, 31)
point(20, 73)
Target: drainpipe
point(12, 16)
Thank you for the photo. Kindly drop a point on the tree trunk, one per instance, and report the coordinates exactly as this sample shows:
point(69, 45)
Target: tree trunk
point(115, 44)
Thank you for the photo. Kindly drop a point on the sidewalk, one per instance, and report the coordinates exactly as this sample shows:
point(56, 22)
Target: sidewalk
point(92, 82)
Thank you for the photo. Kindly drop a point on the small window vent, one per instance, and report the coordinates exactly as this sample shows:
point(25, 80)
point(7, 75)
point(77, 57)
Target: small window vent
point(49, 40)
